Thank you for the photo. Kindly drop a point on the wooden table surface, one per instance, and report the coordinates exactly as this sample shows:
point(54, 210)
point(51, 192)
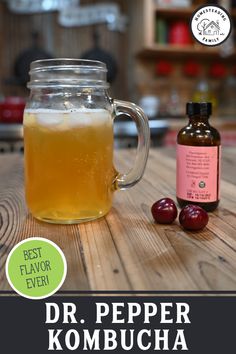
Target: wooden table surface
point(126, 250)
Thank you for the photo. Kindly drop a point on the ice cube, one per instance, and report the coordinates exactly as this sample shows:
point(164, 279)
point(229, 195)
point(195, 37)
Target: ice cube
point(102, 117)
point(49, 119)
point(79, 119)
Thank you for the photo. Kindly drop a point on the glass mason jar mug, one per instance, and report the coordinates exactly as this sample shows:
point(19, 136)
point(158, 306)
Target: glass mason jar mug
point(68, 139)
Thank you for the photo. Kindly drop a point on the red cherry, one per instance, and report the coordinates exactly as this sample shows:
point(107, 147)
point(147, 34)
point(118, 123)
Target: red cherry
point(193, 217)
point(164, 211)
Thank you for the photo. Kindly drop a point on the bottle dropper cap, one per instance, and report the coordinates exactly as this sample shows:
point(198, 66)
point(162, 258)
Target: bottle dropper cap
point(199, 108)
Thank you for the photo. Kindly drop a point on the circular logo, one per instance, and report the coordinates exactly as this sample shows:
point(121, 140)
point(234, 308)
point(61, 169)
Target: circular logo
point(211, 25)
point(202, 184)
point(36, 268)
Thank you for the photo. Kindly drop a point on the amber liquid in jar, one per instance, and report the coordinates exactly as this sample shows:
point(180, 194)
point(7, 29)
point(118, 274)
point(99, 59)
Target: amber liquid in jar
point(75, 152)
point(198, 159)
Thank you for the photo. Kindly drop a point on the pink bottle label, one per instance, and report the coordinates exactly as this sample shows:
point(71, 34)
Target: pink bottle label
point(198, 173)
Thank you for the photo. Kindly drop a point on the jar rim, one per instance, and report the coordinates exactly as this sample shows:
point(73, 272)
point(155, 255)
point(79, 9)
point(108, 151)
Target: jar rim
point(69, 62)
point(69, 72)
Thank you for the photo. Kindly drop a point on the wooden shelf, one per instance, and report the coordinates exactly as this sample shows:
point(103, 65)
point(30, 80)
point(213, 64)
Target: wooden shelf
point(172, 12)
point(158, 50)
point(146, 51)
point(183, 12)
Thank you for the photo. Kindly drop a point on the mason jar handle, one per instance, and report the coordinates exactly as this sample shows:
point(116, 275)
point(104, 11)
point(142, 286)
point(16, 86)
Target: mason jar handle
point(124, 181)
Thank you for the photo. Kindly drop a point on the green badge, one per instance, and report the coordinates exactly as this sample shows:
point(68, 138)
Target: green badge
point(36, 268)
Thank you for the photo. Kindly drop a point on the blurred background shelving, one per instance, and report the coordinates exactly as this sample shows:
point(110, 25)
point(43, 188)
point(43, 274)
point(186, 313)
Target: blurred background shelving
point(158, 63)
point(170, 65)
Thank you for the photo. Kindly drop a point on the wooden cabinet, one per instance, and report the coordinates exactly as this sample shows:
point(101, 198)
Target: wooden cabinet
point(144, 15)
point(146, 52)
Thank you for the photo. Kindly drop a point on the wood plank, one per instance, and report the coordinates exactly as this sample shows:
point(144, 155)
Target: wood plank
point(156, 51)
point(127, 250)
point(201, 264)
point(104, 266)
point(16, 224)
point(150, 261)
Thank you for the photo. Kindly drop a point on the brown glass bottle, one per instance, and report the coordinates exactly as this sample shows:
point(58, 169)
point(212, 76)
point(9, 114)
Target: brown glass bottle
point(198, 159)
